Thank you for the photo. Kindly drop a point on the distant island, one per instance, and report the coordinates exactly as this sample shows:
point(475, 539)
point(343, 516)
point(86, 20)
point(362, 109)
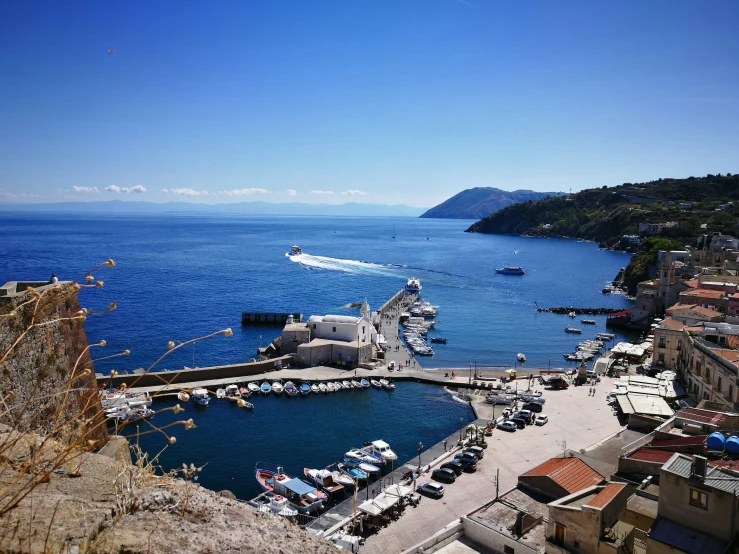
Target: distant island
point(236, 208)
point(480, 202)
point(643, 218)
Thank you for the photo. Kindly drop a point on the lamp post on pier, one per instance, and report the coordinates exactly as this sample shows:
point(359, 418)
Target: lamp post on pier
point(461, 425)
point(420, 449)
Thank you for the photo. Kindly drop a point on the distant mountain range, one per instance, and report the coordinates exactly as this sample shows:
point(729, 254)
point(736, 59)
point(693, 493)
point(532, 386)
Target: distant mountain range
point(238, 208)
point(480, 202)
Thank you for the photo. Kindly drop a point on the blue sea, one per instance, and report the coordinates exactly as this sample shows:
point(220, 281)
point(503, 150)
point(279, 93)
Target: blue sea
point(182, 276)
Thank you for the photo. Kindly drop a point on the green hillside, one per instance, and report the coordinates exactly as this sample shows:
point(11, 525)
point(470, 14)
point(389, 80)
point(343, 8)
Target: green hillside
point(479, 202)
point(606, 214)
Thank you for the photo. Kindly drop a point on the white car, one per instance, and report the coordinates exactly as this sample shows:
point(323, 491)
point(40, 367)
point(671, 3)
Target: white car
point(507, 426)
point(541, 419)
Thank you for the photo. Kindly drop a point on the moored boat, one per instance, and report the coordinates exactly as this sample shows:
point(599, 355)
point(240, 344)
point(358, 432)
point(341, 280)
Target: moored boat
point(588, 321)
point(381, 448)
point(369, 469)
point(200, 396)
point(220, 393)
point(386, 384)
point(265, 388)
point(413, 286)
point(364, 383)
point(304, 388)
point(356, 384)
point(253, 387)
point(376, 383)
point(330, 386)
point(521, 357)
point(290, 389)
point(347, 385)
point(438, 340)
point(338, 386)
point(232, 393)
point(323, 479)
point(365, 455)
point(300, 495)
point(572, 330)
point(511, 270)
point(314, 388)
point(323, 387)
point(277, 387)
point(352, 471)
point(245, 391)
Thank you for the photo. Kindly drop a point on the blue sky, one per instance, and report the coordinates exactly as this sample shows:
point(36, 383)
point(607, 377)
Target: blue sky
point(373, 101)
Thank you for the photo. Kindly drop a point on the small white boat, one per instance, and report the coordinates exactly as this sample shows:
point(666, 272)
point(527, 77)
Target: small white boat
point(363, 456)
point(385, 383)
point(277, 387)
point(247, 405)
point(220, 393)
point(314, 388)
point(338, 386)
point(330, 386)
point(200, 396)
point(253, 387)
point(322, 387)
point(232, 393)
point(521, 357)
point(381, 448)
point(588, 321)
point(356, 384)
point(376, 383)
point(511, 270)
point(342, 479)
point(572, 315)
point(573, 330)
point(347, 385)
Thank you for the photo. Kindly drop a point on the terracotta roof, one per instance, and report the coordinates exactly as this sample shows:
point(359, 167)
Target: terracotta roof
point(703, 293)
point(679, 307)
point(733, 341)
point(571, 474)
point(692, 283)
point(706, 311)
point(679, 441)
point(703, 416)
point(651, 455)
point(728, 355)
point(670, 323)
point(607, 494)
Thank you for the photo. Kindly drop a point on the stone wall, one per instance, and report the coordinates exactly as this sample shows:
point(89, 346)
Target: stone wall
point(43, 344)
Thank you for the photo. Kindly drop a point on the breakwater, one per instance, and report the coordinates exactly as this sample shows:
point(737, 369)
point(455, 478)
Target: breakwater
point(593, 311)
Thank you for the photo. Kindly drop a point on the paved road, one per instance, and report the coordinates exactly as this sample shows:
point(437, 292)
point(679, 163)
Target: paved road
point(577, 421)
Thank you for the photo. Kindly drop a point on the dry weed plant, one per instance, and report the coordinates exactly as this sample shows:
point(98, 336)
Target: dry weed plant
point(50, 410)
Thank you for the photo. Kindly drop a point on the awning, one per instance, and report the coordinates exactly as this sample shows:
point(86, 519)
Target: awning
point(398, 490)
point(298, 487)
point(370, 508)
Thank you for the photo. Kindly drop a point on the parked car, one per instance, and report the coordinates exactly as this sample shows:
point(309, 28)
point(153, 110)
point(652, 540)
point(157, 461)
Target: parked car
point(455, 466)
point(519, 422)
point(541, 419)
point(431, 489)
point(527, 415)
point(533, 407)
point(467, 462)
point(446, 475)
point(470, 454)
point(508, 426)
point(534, 399)
point(477, 450)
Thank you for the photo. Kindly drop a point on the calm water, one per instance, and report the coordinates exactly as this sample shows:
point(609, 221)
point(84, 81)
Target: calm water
point(178, 277)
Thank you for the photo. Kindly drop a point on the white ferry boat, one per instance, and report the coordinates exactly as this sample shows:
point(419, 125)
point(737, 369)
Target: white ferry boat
point(511, 270)
point(295, 251)
point(413, 286)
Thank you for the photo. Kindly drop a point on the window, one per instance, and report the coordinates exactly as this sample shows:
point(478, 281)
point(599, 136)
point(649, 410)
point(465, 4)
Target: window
point(697, 367)
point(679, 345)
point(718, 384)
point(661, 358)
point(334, 329)
point(559, 534)
point(508, 549)
point(708, 374)
point(662, 342)
point(363, 329)
point(314, 326)
point(576, 544)
point(731, 393)
point(698, 499)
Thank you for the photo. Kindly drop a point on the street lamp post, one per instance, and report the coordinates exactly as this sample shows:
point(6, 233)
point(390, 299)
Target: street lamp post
point(475, 368)
point(420, 449)
point(461, 424)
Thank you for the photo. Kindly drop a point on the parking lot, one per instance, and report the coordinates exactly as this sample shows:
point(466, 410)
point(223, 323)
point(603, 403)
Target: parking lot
point(577, 421)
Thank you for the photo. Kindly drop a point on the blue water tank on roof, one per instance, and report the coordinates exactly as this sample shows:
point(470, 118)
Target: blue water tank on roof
point(715, 441)
point(732, 445)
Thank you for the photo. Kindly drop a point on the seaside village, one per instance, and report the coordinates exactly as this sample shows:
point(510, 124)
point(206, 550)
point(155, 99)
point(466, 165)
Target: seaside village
point(633, 451)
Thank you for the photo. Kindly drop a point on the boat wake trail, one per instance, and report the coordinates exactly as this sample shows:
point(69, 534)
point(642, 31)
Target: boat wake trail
point(338, 264)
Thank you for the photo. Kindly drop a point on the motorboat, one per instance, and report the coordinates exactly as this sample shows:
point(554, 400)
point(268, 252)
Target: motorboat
point(245, 391)
point(511, 270)
point(387, 384)
point(295, 251)
point(438, 340)
point(314, 388)
point(125, 413)
point(381, 448)
point(220, 393)
point(363, 455)
point(232, 393)
point(413, 286)
point(352, 471)
point(369, 469)
point(331, 387)
point(277, 387)
point(605, 336)
point(521, 357)
point(245, 404)
point(338, 386)
point(356, 384)
point(573, 330)
point(573, 315)
point(588, 321)
point(200, 396)
point(323, 479)
point(111, 398)
point(265, 388)
point(341, 478)
point(304, 388)
point(290, 389)
point(365, 384)
point(305, 498)
point(376, 383)
point(347, 385)
point(278, 504)
point(253, 387)
point(323, 387)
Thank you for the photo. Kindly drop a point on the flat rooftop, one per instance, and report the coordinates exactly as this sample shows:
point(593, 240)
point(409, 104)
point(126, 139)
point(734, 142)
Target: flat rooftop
point(501, 516)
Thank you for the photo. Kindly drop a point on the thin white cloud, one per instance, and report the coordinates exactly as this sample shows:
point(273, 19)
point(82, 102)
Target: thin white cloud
point(322, 192)
point(291, 192)
point(85, 189)
point(186, 192)
point(126, 190)
point(244, 192)
point(19, 195)
point(354, 192)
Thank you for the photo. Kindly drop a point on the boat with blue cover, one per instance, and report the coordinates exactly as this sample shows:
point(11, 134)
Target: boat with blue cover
point(352, 471)
point(365, 384)
point(265, 388)
point(370, 469)
point(304, 388)
point(305, 498)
